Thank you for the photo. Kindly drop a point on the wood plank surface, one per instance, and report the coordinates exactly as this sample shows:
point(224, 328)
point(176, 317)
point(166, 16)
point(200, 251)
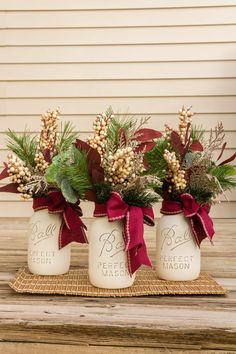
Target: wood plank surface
point(167, 324)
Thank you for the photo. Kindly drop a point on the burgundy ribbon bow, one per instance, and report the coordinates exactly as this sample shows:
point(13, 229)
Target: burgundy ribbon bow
point(72, 227)
point(201, 222)
point(134, 218)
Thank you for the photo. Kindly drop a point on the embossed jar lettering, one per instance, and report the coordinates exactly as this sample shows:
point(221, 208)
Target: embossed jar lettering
point(44, 256)
point(108, 263)
point(178, 255)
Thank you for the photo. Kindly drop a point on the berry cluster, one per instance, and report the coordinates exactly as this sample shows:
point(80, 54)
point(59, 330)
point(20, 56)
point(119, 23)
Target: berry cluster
point(121, 166)
point(47, 138)
point(185, 119)
point(175, 174)
point(97, 141)
point(19, 174)
point(167, 134)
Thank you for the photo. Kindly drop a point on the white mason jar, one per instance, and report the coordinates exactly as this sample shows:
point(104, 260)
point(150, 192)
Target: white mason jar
point(108, 263)
point(178, 255)
point(44, 256)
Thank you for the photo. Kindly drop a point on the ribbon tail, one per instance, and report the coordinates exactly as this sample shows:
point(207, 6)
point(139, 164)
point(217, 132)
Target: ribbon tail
point(73, 229)
point(148, 216)
point(67, 236)
point(138, 257)
point(134, 240)
point(202, 226)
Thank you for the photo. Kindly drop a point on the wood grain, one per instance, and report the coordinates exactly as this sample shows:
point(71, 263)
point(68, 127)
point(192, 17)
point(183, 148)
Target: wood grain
point(57, 324)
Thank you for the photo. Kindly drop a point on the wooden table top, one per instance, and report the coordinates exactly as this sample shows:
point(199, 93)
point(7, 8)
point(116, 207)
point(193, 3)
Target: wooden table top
point(165, 324)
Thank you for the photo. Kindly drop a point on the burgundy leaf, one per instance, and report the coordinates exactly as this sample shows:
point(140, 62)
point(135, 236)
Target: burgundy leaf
point(4, 173)
point(145, 147)
point(221, 152)
point(177, 143)
point(147, 134)
point(10, 188)
point(94, 161)
point(122, 137)
point(82, 145)
point(231, 158)
point(196, 146)
point(97, 174)
point(93, 154)
point(90, 195)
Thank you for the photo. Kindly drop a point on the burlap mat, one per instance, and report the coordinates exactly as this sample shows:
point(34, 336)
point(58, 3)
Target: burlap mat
point(76, 282)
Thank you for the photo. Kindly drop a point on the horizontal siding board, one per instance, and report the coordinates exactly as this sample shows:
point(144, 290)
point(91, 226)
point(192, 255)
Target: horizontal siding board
point(124, 18)
point(103, 4)
point(139, 105)
point(135, 53)
point(24, 209)
point(125, 88)
point(84, 122)
point(201, 34)
point(118, 71)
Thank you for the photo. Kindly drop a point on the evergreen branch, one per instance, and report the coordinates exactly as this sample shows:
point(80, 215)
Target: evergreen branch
point(201, 196)
point(109, 111)
point(145, 198)
point(103, 192)
point(197, 133)
point(66, 137)
point(24, 146)
point(127, 124)
point(69, 172)
point(157, 164)
point(226, 176)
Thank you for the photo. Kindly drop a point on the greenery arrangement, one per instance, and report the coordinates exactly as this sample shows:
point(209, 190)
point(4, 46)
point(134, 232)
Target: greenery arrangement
point(184, 160)
point(48, 161)
point(121, 145)
point(121, 155)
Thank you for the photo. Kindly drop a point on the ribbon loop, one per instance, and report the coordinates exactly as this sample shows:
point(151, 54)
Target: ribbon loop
point(72, 227)
point(198, 214)
point(133, 233)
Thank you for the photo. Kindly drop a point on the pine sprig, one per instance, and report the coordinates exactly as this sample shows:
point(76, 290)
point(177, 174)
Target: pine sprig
point(69, 172)
point(197, 133)
point(77, 172)
point(139, 198)
point(226, 176)
point(23, 146)
point(115, 125)
point(157, 165)
point(103, 192)
point(66, 137)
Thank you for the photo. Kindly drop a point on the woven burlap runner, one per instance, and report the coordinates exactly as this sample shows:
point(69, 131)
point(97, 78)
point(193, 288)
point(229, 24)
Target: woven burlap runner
point(76, 282)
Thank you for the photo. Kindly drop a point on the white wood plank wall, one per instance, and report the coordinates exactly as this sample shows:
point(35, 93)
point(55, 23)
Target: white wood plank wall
point(146, 57)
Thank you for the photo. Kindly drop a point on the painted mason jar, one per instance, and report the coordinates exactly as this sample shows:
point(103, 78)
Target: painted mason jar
point(178, 255)
point(44, 255)
point(108, 261)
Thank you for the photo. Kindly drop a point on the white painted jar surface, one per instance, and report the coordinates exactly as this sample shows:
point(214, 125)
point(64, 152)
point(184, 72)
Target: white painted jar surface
point(108, 262)
point(178, 256)
point(44, 256)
